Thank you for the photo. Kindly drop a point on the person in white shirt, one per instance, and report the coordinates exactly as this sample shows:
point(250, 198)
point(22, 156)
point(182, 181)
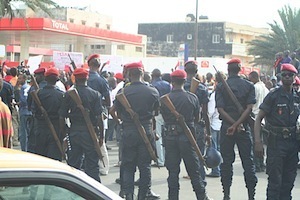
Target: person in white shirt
point(261, 92)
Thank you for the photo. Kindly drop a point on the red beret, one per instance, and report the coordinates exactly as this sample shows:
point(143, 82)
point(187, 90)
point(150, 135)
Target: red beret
point(40, 70)
point(135, 65)
point(52, 71)
point(288, 67)
point(179, 74)
point(234, 60)
point(80, 73)
point(93, 56)
point(297, 81)
point(119, 76)
point(191, 61)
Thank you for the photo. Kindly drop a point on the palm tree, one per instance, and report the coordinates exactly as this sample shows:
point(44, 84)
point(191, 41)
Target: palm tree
point(7, 6)
point(285, 37)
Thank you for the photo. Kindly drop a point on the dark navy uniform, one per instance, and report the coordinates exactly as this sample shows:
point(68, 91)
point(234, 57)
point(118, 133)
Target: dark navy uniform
point(245, 93)
point(177, 143)
point(51, 98)
point(202, 94)
point(80, 139)
point(144, 100)
point(282, 111)
point(98, 83)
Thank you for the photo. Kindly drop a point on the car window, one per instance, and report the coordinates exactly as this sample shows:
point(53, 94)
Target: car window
point(37, 192)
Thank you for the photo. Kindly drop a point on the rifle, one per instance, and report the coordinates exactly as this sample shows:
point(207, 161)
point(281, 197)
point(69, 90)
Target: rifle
point(72, 62)
point(74, 95)
point(34, 83)
point(48, 121)
point(233, 98)
point(103, 65)
point(167, 101)
point(134, 116)
point(194, 85)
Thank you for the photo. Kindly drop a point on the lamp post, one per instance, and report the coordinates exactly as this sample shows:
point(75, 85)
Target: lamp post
point(196, 32)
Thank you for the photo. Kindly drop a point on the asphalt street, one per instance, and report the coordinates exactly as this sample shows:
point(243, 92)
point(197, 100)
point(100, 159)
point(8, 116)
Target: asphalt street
point(214, 188)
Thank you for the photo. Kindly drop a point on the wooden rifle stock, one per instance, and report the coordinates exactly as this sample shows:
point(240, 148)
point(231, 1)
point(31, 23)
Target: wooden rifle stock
point(48, 121)
point(123, 100)
point(194, 85)
point(233, 98)
point(72, 62)
point(74, 95)
point(34, 83)
point(167, 101)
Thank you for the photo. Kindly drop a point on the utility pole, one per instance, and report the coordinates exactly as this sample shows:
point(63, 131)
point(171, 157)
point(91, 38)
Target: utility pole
point(196, 32)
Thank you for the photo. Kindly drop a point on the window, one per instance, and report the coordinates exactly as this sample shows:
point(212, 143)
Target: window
point(189, 36)
point(170, 38)
point(121, 47)
point(149, 39)
point(215, 38)
point(107, 26)
point(92, 46)
point(242, 40)
point(71, 20)
point(97, 25)
point(83, 22)
point(138, 49)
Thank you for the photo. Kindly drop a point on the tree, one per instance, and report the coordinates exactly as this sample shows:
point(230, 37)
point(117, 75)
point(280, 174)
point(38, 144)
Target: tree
point(7, 6)
point(281, 38)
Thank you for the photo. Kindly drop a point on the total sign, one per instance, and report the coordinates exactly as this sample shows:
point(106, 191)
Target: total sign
point(59, 25)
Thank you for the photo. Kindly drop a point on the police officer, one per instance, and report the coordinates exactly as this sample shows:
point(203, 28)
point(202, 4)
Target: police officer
point(176, 142)
point(51, 98)
point(40, 79)
point(280, 109)
point(235, 129)
point(144, 100)
point(191, 68)
point(80, 139)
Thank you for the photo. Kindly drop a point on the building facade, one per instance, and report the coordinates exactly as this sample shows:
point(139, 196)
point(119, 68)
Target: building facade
point(215, 39)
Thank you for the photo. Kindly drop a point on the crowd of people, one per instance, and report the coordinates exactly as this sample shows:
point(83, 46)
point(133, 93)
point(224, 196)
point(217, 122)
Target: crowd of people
point(153, 116)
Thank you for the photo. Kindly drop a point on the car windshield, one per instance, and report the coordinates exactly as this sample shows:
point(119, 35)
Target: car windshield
point(38, 192)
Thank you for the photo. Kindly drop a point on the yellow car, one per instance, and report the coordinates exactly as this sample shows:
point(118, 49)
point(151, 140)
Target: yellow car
point(28, 176)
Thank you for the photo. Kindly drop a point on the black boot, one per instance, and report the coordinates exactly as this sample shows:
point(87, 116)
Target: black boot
point(152, 196)
point(202, 196)
point(251, 194)
point(226, 192)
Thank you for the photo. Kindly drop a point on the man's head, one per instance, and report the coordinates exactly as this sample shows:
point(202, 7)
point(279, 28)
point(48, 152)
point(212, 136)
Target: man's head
point(254, 77)
point(293, 55)
point(234, 66)
point(191, 67)
point(135, 71)
point(288, 74)
point(94, 61)
point(156, 73)
point(22, 78)
point(178, 77)
point(296, 84)
point(119, 77)
point(81, 75)
point(209, 76)
point(51, 76)
point(39, 74)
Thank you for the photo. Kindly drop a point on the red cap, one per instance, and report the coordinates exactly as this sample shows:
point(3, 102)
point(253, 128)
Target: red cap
point(234, 60)
point(288, 67)
point(93, 56)
point(40, 70)
point(119, 76)
point(52, 71)
point(135, 65)
point(179, 74)
point(297, 81)
point(80, 73)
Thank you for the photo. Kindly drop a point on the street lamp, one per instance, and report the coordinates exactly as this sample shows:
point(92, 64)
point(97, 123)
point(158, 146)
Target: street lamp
point(196, 32)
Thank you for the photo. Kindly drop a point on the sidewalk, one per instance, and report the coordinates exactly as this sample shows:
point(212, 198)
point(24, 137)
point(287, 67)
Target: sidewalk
point(214, 188)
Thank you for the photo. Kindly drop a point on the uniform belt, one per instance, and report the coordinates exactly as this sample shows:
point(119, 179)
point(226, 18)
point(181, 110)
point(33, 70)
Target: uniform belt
point(285, 132)
point(173, 129)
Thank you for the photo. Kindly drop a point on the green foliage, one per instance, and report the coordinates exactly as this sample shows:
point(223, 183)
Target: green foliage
point(7, 6)
point(282, 37)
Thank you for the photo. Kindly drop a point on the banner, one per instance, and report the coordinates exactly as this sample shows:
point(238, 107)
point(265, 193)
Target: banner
point(34, 62)
point(61, 59)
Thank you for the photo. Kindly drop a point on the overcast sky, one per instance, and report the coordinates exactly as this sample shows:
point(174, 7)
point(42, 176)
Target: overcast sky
point(127, 14)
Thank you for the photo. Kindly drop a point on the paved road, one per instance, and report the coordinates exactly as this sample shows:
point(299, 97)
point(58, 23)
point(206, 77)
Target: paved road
point(214, 189)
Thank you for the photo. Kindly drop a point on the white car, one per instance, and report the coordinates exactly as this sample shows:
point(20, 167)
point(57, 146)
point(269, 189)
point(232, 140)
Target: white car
point(25, 176)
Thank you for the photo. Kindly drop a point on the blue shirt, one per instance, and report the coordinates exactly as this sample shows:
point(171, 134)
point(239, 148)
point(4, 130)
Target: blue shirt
point(98, 83)
point(162, 86)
